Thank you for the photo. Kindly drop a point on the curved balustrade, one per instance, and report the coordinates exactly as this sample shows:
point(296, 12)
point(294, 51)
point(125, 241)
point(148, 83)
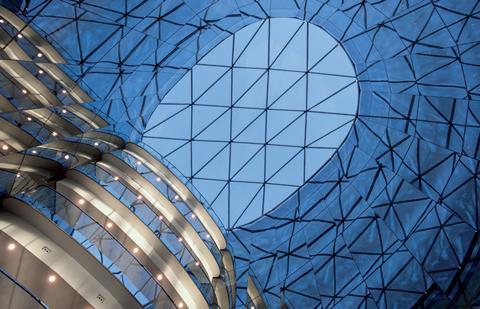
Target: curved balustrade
point(13, 93)
point(86, 115)
point(80, 123)
point(53, 120)
point(40, 247)
point(161, 185)
point(31, 35)
point(27, 129)
point(29, 82)
point(166, 208)
point(100, 145)
point(129, 228)
point(15, 43)
point(63, 120)
point(65, 159)
point(19, 162)
point(142, 186)
point(153, 166)
point(100, 243)
point(106, 137)
point(18, 138)
point(10, 47)
point(154, 221)
point(41, 78)
point(162, 166)
point(59, 76)
point(229, 276)
point(82, 152)
point(213, 289)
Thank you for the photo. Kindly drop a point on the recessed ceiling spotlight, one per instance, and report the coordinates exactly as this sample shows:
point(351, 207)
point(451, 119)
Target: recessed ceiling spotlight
point(54, 133)
point(11, 246)
point(24, 91)
point(39, 55)
point(40, 71)
point(19, 36)
point(52, 278)
point(5, 147)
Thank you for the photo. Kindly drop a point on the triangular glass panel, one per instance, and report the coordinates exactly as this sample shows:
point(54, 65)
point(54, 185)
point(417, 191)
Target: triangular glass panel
point(221, 54)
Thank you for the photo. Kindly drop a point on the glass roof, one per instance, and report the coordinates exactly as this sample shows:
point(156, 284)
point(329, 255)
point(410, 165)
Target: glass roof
point(258, 115)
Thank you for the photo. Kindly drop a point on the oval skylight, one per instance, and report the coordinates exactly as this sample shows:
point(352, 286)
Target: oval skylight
point(257, 116)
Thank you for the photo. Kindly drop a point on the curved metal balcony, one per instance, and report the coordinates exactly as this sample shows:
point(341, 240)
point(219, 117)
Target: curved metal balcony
point(153, 220)
point(102, 245)
point(138, 235)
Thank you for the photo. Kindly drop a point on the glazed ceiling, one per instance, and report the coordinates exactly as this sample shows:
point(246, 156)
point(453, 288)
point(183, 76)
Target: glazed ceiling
point(257, 116)
point(392, 218)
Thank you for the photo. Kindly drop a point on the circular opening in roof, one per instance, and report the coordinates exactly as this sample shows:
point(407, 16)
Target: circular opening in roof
point(257, 116)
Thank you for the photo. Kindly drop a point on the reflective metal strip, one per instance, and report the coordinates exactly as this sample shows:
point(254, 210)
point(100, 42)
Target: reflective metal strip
point(112, 140)
point(86, 115)
point(221, 293)
point(254, 295)
point(229, 267)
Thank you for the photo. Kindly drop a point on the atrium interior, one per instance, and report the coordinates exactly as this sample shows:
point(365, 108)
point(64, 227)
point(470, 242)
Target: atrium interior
point(239, 153)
